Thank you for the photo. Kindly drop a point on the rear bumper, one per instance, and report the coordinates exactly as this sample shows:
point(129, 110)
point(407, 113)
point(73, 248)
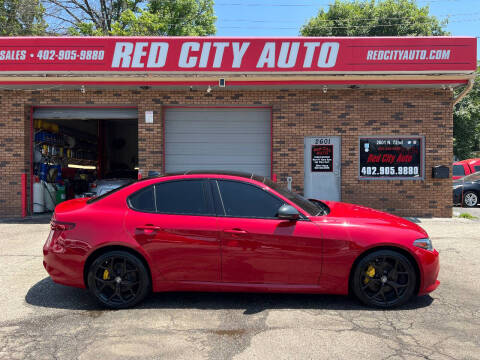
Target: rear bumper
point(63, 266)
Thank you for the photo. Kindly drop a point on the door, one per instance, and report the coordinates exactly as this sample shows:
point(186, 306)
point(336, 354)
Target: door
point(257, 247)
point(221, 139)
point(322, 164)
point(175, 223)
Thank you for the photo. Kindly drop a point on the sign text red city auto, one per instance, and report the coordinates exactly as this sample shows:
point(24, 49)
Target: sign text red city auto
point(246, 55)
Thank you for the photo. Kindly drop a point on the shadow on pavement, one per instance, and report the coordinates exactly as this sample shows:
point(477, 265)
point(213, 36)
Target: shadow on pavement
point(46, 293)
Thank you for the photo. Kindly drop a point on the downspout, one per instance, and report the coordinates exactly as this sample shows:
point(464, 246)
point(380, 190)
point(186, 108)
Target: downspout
point(464, 92)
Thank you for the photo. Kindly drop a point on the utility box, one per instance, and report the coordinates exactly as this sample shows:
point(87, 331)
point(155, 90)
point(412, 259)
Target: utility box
point(441, 172)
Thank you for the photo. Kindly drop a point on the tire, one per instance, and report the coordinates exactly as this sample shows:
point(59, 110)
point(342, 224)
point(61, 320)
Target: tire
point(118, 279)
point(391, 283)
point(470, 199)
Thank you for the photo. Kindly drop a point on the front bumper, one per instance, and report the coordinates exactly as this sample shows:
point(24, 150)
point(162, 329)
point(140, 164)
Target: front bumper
point(429, 263)
point(457, 196)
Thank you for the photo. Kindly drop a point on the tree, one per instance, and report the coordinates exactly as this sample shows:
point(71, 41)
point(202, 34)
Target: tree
point(133, 17)
point(174, 18)
point(374, 18)
point(21, 17)
point(466, 124)
point(400, 18)
point(86, 17)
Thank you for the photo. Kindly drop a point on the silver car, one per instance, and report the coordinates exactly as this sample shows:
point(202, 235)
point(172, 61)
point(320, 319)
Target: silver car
point(105, 185)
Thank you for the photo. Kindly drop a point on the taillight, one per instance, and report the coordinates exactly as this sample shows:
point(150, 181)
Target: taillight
point(61, 226)
point(54, 241)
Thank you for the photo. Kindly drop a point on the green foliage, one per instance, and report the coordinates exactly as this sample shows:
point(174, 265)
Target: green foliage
point(21, 17)
point(185, 17)
point(86, 29)
point(467, 216)
point(400, 18)
point(466, 124)
point(374, 18)
point(157, 18)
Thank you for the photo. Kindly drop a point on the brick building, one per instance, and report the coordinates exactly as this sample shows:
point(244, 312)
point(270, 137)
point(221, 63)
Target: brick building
point(357, 120)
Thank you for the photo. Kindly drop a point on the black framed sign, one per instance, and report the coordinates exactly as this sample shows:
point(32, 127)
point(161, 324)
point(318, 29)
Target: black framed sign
point(391, 158)
point(322, 158)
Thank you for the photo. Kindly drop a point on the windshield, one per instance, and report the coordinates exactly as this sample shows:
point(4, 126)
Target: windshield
point(472, 177)
point(312, 207)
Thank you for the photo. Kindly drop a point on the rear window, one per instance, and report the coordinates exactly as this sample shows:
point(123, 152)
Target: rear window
point(458, 170)
point(185, 197)
point(143, 200)
point(182, 197)
point(108, 193)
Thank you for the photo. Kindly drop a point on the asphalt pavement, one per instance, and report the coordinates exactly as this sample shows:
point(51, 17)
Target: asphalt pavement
point(464, 210)
point(42, 320)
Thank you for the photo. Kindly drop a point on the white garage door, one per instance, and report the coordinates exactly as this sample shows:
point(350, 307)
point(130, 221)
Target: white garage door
point(218, 139)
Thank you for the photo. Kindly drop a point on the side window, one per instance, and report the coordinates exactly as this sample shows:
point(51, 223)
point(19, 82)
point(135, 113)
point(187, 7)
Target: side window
point(143, 200)
point(458, 170)
point(477, 168)
point(245, 200)
point(187, 197)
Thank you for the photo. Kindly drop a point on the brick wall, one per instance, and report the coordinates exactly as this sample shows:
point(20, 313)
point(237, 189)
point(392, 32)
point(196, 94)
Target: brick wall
point(296, 113)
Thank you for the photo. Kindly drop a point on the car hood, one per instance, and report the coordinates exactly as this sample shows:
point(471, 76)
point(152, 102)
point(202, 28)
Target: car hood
point(357, 214)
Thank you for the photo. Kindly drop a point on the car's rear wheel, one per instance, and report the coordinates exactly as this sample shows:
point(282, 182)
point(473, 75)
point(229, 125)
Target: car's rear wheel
point(118, 279)
point(470, 199)
point(384, 279)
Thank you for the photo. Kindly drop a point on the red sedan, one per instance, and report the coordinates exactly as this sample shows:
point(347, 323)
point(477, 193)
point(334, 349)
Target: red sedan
point(234, 232)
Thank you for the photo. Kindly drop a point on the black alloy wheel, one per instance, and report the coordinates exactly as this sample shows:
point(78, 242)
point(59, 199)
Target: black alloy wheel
point(118, 279)
point(384, 279)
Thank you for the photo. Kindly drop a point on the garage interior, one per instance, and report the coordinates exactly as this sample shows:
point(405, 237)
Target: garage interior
point(73, 148)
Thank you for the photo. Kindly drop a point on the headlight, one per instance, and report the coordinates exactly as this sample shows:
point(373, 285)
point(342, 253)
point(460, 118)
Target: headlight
point(424, 244)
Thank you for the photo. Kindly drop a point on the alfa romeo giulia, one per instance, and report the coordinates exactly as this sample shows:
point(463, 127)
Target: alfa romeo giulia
point(226, 231)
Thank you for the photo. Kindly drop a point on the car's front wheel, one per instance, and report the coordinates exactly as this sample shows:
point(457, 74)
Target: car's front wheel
point(470, 199)
point(384, 279)
point(118, 279)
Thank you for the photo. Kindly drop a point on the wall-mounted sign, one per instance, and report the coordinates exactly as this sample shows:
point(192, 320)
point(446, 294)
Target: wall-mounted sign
point(149, 117)
point(389, 157)
point(221, 54)
point(322, 158)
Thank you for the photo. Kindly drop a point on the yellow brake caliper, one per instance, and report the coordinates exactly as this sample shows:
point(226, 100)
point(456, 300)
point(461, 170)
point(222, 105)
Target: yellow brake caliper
point(106, 275)
point(370, 274)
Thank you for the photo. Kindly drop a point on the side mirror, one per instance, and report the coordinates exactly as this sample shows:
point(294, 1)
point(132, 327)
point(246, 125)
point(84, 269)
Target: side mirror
point(288, 212)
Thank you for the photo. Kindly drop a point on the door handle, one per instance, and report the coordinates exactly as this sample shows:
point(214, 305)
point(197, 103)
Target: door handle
point(149, 228)
point(235, 231)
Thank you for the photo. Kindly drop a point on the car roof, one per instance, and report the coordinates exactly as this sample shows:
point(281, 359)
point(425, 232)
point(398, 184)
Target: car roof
point(242, 174)
point(467, 161)
point(216, 172)
point(176, 175)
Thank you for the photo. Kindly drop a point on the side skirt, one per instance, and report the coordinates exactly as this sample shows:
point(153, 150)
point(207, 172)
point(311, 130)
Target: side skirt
point(239, 287)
